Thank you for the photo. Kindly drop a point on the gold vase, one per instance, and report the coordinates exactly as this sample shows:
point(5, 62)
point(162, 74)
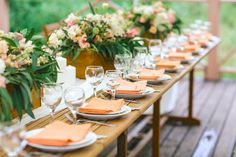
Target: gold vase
point(89, 57)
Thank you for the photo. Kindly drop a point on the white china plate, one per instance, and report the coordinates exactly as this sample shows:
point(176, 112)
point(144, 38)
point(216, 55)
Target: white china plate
point(124, 110)
point(173, 70)
point(189, 60)
point(88, 140)
point(165, 77)
point(142, 94)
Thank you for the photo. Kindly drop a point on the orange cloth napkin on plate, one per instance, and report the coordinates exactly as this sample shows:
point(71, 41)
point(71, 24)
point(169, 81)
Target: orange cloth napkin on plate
point(60, 134)
point(127, 87)
point(179, 56)
point(191, 47)
point(101, 106)
point(167, 64)
point(148, 74)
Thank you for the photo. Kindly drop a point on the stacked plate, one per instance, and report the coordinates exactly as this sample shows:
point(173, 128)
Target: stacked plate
point(88, 140)
point(160, 80)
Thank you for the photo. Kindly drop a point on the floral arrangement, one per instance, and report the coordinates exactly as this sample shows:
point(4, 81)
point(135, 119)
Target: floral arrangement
point(106, 34)
point(23, 65)
point(156, 20)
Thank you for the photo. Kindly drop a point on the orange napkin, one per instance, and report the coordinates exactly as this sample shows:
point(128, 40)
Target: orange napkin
point(179, 56)
point(60, 134)
point(127, 87)
point(101, 106)
point(147, 74)
point(203, 42)
point(191, 47)
point(167, 64)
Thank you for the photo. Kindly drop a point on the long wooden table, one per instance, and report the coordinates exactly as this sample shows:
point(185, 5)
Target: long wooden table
point(120, 132)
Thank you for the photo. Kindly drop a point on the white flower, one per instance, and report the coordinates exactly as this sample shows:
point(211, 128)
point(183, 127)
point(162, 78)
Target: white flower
point(105, 5)
point(161, 18)
point(3, 47)
point(2, 66)
point(72, 18)
point(53, 40)
point(73, 32)
point(27, 46)
point(60, 33)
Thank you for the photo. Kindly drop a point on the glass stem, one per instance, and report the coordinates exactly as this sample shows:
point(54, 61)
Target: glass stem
point(74, 117)
point(95, 91)
point(52, 114)
point(113, 96)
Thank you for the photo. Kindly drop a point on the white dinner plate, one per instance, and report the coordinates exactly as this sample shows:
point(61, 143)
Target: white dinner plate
point(189, 60)
point(142, 94)
point(88, 140)
point(165, 77)
point(173, 70)
point(124, 110)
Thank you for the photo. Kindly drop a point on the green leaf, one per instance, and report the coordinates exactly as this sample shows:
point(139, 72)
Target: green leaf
point(10, 41)
point(92, 9)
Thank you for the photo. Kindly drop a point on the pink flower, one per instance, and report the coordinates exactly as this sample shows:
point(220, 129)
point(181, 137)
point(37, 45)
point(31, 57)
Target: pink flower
point(142, 19)
point(2, 82)
point(19, 36)
point(83, 42)
point(133, 32)
point(70, 23)
point(171, 16)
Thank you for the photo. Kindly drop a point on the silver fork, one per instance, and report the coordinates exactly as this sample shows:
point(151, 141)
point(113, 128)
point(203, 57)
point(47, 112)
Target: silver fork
point(89, 121)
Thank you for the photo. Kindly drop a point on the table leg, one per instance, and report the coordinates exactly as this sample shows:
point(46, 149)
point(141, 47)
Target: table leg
point(156, 130)
point(189, 120)
point(122, 145)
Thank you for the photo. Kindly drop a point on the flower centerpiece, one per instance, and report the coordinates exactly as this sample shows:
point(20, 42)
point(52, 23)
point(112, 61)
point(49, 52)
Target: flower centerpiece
point(24, 65)
point(93, 39)
point(153, 21)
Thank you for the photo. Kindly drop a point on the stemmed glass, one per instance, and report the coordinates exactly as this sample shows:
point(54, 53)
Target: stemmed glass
point(122, 63)
point(94, 75)
point(12, 138)
point(74, 97)
point(112, 84)
point(140, 54)
point(52, 95)
point(155, 47)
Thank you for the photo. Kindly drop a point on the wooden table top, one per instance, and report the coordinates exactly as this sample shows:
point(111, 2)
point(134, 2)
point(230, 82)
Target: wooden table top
point(122, 123)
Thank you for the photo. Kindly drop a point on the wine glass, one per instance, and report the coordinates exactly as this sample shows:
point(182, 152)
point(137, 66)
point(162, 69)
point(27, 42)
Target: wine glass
point(94, 75)
point(112, 84)
point(155, 47)
point(121, 63)
point(52, 95)
point(12, 138)
point(74, 97)
point(136, 66)
point(140, 54)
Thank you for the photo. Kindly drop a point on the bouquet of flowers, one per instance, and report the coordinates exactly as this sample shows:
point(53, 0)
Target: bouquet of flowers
point(23, 65)
point(155, 21)
point(106, 34)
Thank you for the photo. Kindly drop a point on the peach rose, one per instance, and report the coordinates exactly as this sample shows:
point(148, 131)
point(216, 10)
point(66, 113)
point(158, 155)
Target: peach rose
point(83, 42)
point(142, 19)
point(152, 29)
point(19, 36)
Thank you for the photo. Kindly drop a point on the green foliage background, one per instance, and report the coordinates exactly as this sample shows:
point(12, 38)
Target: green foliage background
point(36, 13)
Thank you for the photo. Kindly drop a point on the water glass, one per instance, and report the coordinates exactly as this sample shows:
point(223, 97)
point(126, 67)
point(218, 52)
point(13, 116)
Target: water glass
point(12, 138)
point(155, 47)
point(122, 63)
point(52, 95)
point(140, 55)
point(74, 97)
point(94, 75)
point(112, 84)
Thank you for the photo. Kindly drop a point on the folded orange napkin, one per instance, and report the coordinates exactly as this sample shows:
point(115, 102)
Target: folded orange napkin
point(60, 134)
point(127, 87)
point(101, 106)
point(203, 42)
point(167, 64)
point(147, 74)
point(191, 47)
point(179, 56)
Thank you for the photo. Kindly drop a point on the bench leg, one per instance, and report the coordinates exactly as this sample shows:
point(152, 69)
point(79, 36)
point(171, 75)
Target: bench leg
point(156, 130)
point(122, 145)
point(189, 120)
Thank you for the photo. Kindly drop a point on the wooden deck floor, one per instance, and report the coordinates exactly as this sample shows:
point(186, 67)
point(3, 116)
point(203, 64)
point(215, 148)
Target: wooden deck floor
point(215, 105)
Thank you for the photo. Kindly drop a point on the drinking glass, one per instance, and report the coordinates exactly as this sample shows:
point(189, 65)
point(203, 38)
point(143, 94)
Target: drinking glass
point(136, 66)
point(94, 75)
point(12, 138)
point(140, 54)
point(52, 95)
point(74, 97)
point(155, 47)
point(112, 84)
point(122, 63)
